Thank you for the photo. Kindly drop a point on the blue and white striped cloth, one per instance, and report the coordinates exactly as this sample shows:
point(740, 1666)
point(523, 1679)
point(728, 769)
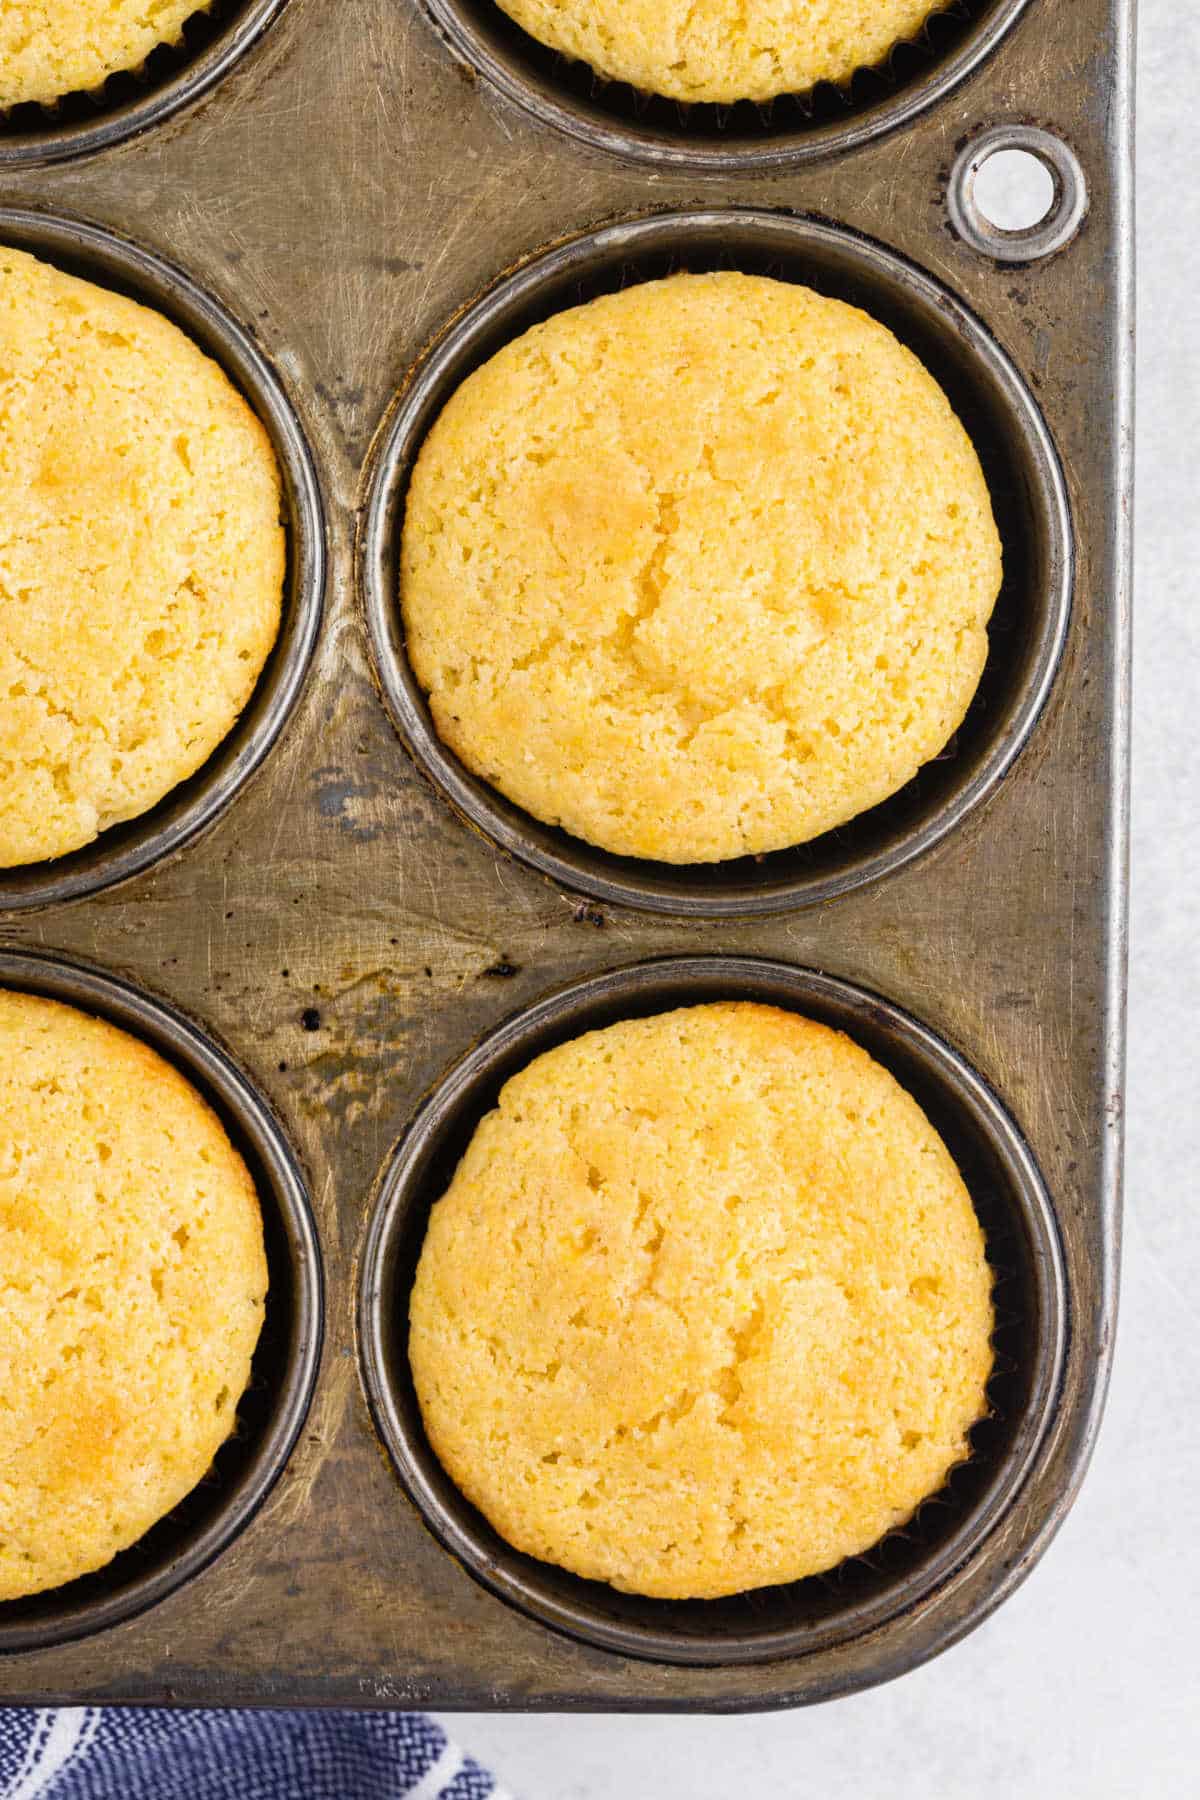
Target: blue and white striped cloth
point(137, 1753)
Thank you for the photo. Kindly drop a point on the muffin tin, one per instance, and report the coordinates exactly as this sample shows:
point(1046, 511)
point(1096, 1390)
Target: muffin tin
point(1023, 1251)
point(320, 945)
point(1028, 627)
point(185, 812)
point(612, 116)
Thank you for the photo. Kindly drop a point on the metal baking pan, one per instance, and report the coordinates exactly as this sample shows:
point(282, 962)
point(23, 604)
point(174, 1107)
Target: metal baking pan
point(347, 943)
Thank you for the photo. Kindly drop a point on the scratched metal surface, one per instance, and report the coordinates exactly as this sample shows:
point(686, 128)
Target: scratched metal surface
point(343, 191)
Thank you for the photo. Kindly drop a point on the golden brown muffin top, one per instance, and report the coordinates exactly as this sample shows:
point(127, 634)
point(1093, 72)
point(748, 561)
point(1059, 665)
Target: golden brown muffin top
point(724, 50)
point(141, 558)
point(700, 569)
point(705, 1307)
point(132, 1284)
point(50, 48)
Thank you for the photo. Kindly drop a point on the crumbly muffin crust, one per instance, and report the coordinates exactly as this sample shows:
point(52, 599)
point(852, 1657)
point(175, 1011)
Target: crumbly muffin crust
point(142, 558)
point(50, 48)
point(705, 1307)
point(700, 569)
point(723, 50)
point(132, 1287)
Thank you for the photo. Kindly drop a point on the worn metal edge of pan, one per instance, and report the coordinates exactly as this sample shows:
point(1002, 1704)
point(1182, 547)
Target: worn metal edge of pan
point(549, 102)
point(732, 235)
point(61, 1615)
point(438, 1134)
point(161, 100)
point(130, 848)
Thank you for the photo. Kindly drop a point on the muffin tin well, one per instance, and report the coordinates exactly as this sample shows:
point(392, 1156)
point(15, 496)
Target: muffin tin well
point(360, 188)
point(612, 116)
point(1024, 475)
point(172, 77)
point(124, 850)
point(284, 1369)
point(908, 1567)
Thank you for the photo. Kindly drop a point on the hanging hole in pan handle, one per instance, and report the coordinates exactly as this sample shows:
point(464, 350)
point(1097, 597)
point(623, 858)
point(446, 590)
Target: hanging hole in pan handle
point(1017, 193)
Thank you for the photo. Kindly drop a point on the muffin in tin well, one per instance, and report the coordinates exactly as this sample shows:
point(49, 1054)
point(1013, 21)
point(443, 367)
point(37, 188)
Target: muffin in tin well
point(51, 48)
point(142, 558)
point(706, 1306)
point(133, 1292)
point(700, 569)
point(720, 50)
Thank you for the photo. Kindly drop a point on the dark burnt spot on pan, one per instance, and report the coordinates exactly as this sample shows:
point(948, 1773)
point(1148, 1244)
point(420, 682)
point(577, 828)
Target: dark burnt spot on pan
point(583, 914)
point(616, 115)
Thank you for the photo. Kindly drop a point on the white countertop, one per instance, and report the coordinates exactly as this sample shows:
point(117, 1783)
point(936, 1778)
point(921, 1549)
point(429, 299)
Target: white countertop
point(1086, 1684)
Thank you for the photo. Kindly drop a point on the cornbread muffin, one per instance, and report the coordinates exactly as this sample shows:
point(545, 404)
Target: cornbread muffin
point(699, 569)
point(49, 48)
point(722, 50)
point(141, 558)
point(131, 1294)
point(705, 1306)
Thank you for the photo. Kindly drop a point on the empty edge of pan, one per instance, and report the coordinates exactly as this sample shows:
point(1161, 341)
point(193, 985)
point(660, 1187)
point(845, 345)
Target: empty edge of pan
point(125, 850)
point(172, 77)
point(1025, 478)
point(916, 1568)
point(284, 1368)
point(614, 117)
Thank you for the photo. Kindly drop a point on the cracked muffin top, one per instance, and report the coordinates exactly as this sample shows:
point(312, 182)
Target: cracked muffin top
point(132, 1285)
point(723, 50)
point(50, 48)
point(700, 569)
point(705, 1307)
point(142, 558)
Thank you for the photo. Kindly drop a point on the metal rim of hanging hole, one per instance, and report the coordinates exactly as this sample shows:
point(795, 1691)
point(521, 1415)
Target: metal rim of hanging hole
point(1051, 233)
